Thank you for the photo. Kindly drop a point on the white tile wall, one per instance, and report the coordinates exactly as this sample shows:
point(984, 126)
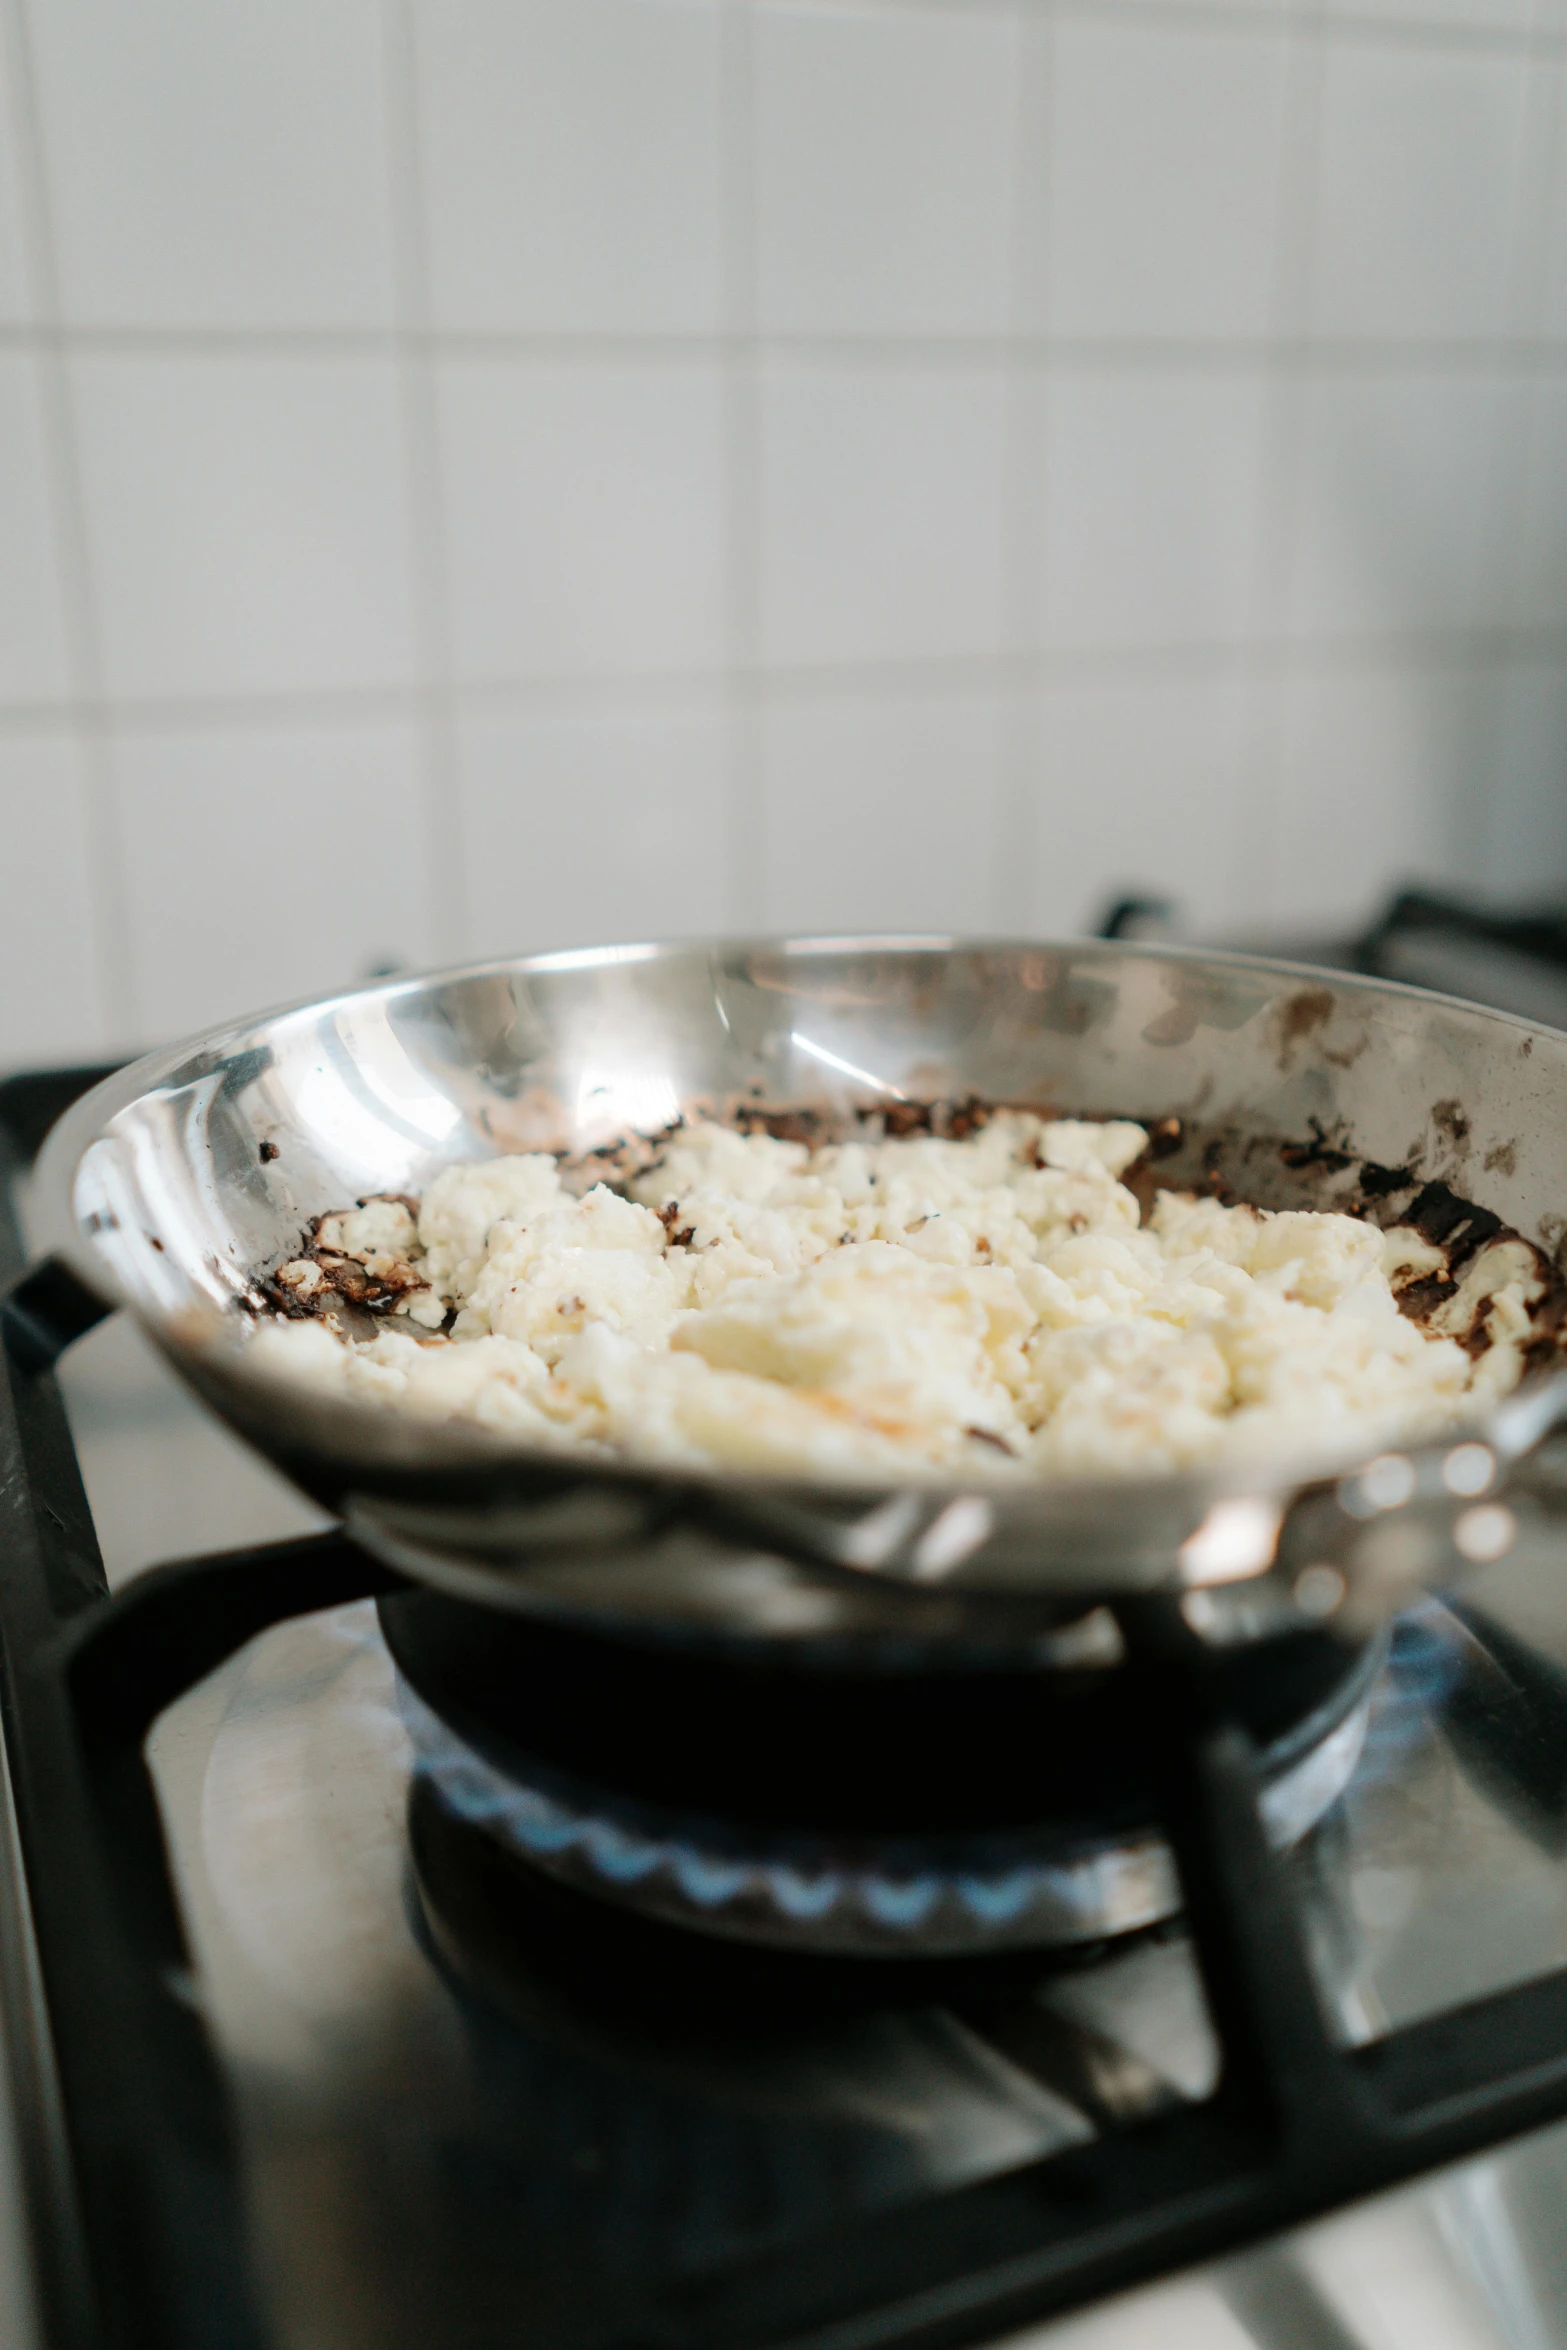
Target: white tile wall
point(1174, 744)
point(1503, 16)
point(1542, 554)
point(1151, 483)
point(216, 167)
point(246, 521)
point(1163, 187)
point(571, 164)
point(1415, 197)
point(880, 814)
point(1551, 87)
point(881, 493)
point(15, 301)
point(266, 862)
point(584, 518)
point(636, 465)
point(884, 171)
point(32, 620)
point(51, 1005)
point(1371, 767)
point(589, 825)
point(1397, 487)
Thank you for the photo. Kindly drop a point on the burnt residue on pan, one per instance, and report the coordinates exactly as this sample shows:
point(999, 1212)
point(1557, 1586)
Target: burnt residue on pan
point(1320, 1171)
point(952, 1119)
point(313, 1282)
point(1451, 1121)
point(1315, 1171)
point(1306, 1016)
point(1303, 1016)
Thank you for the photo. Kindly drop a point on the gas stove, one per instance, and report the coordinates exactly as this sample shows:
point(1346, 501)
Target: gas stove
point(337, 2021)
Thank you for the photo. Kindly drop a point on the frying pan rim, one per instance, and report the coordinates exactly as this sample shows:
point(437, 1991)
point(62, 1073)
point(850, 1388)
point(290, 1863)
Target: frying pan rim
point(88, 1118)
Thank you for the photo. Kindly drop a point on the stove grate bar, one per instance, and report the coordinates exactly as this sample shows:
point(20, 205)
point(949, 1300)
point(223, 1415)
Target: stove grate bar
point(1298, 2126)
point(133, 2196)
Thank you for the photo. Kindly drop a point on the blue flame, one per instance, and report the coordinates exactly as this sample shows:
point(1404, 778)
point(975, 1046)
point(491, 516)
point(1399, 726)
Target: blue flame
point(1022, 1885)
point(1425, 1658)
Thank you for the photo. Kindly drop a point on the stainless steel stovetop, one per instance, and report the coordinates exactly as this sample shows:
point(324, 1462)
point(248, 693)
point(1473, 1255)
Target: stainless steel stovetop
point(438, 2155)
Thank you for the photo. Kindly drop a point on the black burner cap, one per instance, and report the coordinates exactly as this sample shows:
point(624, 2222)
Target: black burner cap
point(739, 1736)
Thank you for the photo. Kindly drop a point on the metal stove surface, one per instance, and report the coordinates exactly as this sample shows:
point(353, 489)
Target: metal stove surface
point(447, 2149)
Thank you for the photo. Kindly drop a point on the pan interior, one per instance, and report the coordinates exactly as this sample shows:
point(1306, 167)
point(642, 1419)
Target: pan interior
point(187, 1175)
point(222, 1153)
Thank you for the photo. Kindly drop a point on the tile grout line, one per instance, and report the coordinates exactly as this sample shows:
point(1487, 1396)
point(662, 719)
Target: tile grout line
point(1323, 355)
point(915, 675)
point(1358, 28)
point(1537, 175)
point(1015, 846)
point(745, 838)
point(114, 964)
point(444, 863)
point(1253, 879)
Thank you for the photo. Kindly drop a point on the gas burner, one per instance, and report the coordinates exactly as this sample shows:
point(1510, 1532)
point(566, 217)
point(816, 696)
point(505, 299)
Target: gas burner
point(872, 1896)
point(892, 1814)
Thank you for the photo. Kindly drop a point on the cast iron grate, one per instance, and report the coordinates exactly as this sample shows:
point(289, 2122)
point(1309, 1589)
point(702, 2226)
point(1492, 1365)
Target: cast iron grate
point(131, 2156)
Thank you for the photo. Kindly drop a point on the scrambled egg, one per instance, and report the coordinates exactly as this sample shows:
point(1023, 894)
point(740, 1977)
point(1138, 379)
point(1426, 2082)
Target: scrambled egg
point(993, 1307)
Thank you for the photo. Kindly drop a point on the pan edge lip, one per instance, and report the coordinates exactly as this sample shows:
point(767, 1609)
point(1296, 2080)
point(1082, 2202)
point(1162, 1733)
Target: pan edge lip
point(69, 1139)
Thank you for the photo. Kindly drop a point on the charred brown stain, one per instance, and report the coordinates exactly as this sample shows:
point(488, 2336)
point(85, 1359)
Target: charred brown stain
point(1526, 1048)
point(614, 1162)
point(1503, 1160)
point(1451, 1120)
point(1231, 1164)
point(1549, 1320)
point(1420, 1299)
point(1213, 1173)
point(951, 1120)
point(988, 1436)
point(1301, 1016)
point(1553, 1239)
point(269, 1152)
point(344, 1277)
point(1455, 1224)
point(1384, 1182)
point(1320, 1151)
point(361, 1287)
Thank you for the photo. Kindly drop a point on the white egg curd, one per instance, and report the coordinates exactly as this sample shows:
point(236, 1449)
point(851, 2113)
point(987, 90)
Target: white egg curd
point(994, 1308)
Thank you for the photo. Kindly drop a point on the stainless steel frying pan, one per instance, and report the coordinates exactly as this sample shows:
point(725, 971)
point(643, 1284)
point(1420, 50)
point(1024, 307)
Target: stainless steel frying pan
point(172, 1185)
